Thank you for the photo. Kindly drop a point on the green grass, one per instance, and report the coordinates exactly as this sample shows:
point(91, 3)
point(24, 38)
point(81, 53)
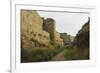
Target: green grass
point(76, 53)
point(69, 54)
point(45, 54)
point(38, 54)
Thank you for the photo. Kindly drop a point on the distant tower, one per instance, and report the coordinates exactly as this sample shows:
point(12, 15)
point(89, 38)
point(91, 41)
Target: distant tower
point(49, 26)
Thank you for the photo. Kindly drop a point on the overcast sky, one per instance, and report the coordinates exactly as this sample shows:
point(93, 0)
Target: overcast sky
point(65, 21)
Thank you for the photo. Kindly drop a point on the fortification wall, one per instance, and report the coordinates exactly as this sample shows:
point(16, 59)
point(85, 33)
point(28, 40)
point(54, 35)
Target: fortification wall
point(58, 39)
point(50, 26)
point(32, 33)
point(38, 32)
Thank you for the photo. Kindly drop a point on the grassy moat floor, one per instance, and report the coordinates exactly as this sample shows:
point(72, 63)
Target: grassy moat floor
point(54, 54)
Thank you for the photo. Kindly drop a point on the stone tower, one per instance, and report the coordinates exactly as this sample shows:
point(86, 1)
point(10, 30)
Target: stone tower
point(49, 26)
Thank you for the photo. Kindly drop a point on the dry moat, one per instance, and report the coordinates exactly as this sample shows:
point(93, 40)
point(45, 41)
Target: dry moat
point(40, 41)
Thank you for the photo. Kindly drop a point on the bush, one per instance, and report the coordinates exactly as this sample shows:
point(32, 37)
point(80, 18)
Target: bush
point(38, 54)
point(70, 54)
point(76, 54)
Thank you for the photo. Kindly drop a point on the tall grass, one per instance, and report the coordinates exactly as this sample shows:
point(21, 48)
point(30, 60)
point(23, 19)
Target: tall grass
point(76, 53)
point(38, 54)
point(45, 54)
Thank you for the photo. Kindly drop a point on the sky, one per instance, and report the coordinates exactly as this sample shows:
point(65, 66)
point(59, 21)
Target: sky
point(66, 22)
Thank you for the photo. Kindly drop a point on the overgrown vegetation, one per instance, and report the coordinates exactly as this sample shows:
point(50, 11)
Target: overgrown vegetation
point(45, 54)
point(73, 53)
point(38, 54)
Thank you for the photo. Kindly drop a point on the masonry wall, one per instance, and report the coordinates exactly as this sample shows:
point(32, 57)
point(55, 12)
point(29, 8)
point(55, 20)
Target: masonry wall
point(38, 32)
point(32, 33)
point(50, 26)
point(58, 39)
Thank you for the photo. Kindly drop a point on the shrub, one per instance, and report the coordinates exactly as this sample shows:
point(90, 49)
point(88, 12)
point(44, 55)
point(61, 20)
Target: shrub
point(38, 54)
point(70, 54)
point(76, 54)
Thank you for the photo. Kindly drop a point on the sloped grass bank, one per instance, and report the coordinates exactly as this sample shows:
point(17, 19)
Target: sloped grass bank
point(72, 53)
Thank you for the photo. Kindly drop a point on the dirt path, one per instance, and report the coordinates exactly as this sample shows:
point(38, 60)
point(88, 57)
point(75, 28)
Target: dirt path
point(58, 57)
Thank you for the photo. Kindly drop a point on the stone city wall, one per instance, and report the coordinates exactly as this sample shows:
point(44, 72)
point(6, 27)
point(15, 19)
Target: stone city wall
point(38, 32)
